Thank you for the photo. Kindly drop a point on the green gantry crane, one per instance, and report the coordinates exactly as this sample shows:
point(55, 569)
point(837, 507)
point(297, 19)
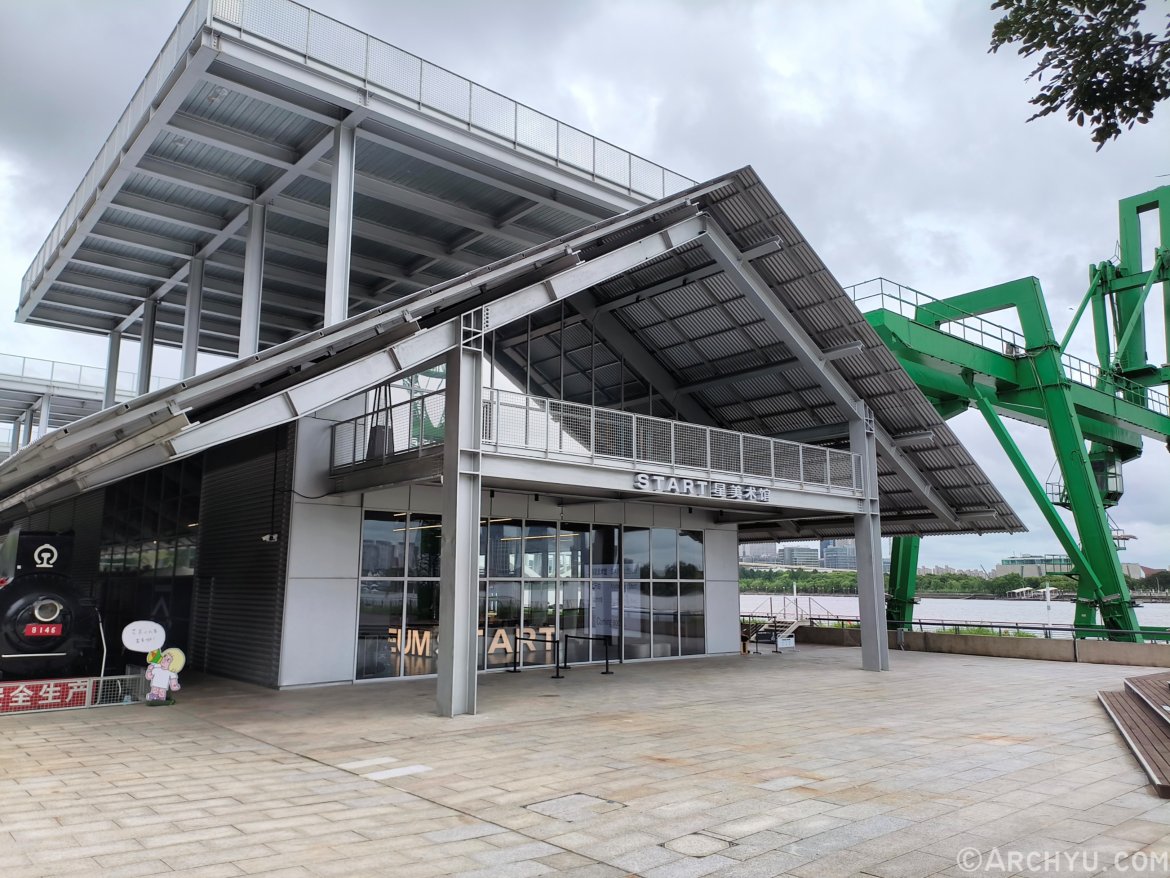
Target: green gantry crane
point(1096, 413)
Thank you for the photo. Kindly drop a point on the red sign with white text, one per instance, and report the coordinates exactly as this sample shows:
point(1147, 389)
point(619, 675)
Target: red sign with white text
point(44, 695)
point(39, 630)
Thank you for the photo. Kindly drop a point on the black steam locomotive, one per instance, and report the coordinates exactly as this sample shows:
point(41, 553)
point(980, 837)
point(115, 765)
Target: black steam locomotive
point(48, 628)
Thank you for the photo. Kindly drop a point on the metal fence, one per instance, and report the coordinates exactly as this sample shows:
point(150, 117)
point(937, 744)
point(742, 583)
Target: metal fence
point(372, 438)
point(905, 301)
point(551, 427)
point(403, 76)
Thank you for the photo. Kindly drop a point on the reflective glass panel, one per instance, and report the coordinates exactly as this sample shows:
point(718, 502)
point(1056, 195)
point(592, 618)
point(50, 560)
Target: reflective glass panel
point(424, 545)
point(573, 551)
point(575, 620)
point(604, 551)
point(384, 544)
point(503, 550)
point(503, 618)
point(692, 623)
point(540, 549)
point(636, 553)
point(539, 622)
point(690, 554)
point(665, 613)
point(664, 552)
point(636, 620)
point(380, 633)
point(422, 627)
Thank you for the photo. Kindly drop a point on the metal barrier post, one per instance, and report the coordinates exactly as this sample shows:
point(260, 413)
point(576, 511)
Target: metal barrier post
point(557, 660)
point(607, 670)
point(515, 669)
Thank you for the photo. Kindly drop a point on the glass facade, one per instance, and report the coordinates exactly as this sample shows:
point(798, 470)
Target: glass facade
point(596, 589)
point(147, 554)
point(398, 602)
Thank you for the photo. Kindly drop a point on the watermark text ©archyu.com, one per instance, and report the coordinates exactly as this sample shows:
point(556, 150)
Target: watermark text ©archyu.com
point(999, 862)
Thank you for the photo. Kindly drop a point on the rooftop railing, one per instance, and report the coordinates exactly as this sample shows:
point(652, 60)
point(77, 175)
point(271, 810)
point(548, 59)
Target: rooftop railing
point(885, 294)
point(533, 426)
point(425, 86)
point(71, 375)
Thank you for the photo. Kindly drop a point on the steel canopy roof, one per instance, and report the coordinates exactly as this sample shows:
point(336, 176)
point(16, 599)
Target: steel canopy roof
point(707, 306)
point(240, 107)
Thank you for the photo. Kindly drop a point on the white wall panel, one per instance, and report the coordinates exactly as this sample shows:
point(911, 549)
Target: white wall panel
point(722, 564)
point(320, 631)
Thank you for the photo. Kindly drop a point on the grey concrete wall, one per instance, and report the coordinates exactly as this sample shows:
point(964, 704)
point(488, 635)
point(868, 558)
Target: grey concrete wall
point(1102, 652)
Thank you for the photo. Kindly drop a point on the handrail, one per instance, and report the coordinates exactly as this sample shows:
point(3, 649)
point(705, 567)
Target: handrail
point(405, 77)
point(77, 375)
point(1048, 630)
point(892, 296)
point(555, 428)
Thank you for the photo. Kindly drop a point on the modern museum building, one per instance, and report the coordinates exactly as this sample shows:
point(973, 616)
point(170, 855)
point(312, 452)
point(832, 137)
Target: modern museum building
point(494, 384)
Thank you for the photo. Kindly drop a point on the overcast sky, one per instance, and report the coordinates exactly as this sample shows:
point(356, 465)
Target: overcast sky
point(889, 134)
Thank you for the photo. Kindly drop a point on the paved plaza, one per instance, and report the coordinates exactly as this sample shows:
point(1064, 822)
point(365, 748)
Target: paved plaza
point(764, 765)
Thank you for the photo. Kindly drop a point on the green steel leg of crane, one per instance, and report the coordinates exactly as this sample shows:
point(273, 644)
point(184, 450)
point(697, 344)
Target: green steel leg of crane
point(1117, 612)
point(903, 581)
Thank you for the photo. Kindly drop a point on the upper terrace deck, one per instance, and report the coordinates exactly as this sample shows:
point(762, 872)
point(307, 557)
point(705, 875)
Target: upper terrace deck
point(240, 111)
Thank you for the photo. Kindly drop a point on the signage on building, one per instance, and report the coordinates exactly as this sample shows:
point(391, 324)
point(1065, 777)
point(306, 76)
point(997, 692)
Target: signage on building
point(44, 695)
point(702, 488)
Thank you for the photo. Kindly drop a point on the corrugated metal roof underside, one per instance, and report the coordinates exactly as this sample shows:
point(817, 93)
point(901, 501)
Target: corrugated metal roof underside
point(720, 353)
point(680, 313)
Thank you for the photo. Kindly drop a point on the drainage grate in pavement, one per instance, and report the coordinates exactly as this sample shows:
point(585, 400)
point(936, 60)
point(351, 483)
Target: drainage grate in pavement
point(574, 807)
point(697, 845)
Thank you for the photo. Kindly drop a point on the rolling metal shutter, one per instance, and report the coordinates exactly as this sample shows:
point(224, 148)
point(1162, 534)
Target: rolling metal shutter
point(240, 582)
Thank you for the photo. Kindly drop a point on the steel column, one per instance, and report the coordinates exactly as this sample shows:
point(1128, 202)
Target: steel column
point(146, 345)
point(253, 282)
point(340, 226)
point(112, 355)
point(45, 412)
point(459, 580)
point(190, 350)
point(867, 528)
point(26, 427)
point(14, 439)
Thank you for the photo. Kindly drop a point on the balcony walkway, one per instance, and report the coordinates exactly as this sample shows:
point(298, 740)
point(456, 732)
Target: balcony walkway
point(538, 441)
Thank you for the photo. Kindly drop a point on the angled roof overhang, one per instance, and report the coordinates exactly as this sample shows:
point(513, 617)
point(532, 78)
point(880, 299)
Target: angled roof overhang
point(707, 306)
point(240, 108)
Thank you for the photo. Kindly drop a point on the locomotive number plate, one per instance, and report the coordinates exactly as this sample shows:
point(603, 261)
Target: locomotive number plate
point(43, 630)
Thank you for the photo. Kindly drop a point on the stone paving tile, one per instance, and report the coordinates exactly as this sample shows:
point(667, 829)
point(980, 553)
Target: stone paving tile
point(833, 772)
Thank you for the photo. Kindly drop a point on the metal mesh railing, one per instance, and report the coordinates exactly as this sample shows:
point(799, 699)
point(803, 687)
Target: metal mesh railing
point(375, 437)
point(406, 77)
point(536, 425)
point(905, 301)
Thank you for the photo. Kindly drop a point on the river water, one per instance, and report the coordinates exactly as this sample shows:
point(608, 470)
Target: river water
point(948, 609)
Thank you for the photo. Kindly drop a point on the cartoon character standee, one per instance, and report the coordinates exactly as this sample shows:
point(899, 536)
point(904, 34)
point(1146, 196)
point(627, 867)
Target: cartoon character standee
point(163, 674)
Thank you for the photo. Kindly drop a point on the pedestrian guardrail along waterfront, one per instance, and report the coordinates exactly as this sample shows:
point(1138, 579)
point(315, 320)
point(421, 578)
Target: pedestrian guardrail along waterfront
point(532, 426)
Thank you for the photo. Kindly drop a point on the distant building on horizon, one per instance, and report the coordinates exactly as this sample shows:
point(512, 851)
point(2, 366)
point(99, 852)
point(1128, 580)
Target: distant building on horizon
point(1051, 565)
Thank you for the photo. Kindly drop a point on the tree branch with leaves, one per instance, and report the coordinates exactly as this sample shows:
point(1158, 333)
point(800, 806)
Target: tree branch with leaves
point(1101, 66)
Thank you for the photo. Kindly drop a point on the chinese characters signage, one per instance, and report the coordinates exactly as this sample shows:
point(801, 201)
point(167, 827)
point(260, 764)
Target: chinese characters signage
point(29, 695)
point(702, 488)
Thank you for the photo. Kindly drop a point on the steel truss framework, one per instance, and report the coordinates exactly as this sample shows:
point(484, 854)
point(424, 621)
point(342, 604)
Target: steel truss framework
point(1096, 413)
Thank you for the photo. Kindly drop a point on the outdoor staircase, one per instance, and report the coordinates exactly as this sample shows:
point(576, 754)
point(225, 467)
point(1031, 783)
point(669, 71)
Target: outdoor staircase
point(1141, 712)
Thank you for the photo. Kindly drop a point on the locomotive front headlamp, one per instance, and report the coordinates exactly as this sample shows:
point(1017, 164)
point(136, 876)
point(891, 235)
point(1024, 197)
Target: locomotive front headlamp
point(47, 610)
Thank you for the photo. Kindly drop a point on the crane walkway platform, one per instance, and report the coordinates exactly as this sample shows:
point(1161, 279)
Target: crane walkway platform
point(1141, 712)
